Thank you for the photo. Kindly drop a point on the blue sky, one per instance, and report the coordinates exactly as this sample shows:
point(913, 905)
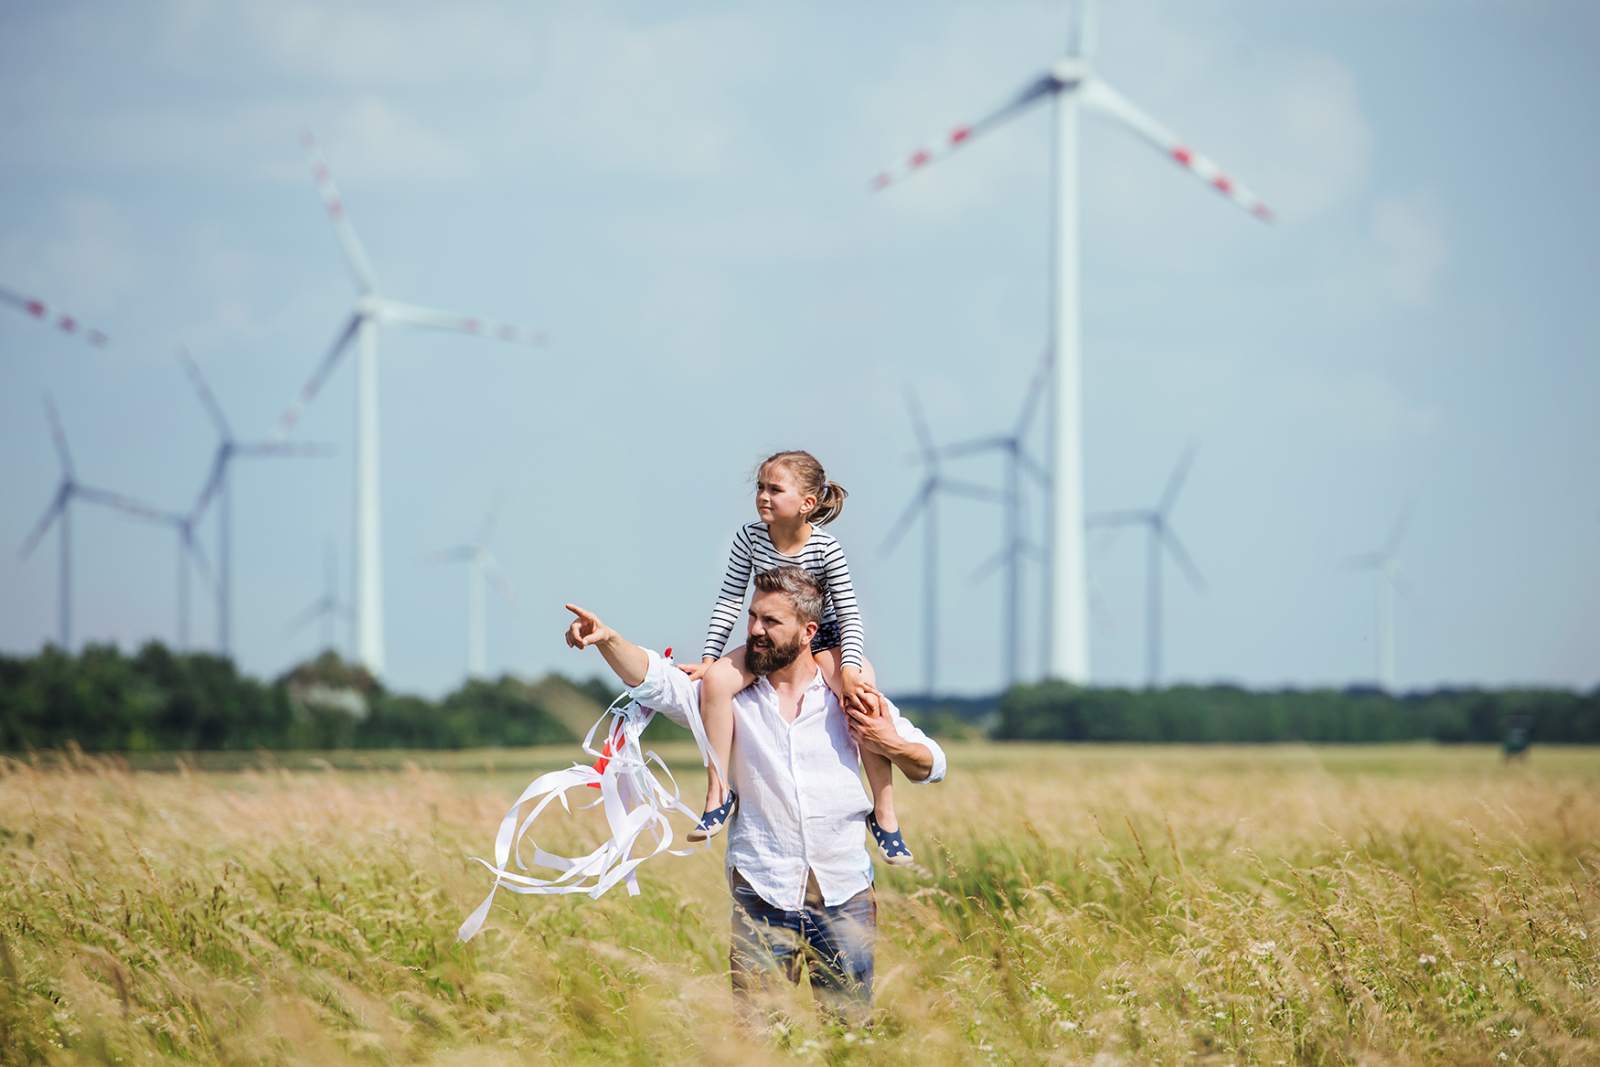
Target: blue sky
point(679, 198)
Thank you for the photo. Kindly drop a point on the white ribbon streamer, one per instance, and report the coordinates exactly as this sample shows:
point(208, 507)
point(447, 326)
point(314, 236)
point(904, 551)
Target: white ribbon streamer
point(634, 801)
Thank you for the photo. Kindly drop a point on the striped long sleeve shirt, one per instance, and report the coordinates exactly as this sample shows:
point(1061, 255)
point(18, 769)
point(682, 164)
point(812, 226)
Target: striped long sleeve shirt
point(822, 556)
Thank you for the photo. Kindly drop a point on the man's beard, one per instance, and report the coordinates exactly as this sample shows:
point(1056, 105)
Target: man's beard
point(762, 657)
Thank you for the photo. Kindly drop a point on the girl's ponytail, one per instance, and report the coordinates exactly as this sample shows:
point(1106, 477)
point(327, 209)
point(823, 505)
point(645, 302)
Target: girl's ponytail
point(830, 501)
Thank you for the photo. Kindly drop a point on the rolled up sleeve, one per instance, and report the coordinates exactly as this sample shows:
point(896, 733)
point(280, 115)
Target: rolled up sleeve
point(909, 732)
point(668, 691)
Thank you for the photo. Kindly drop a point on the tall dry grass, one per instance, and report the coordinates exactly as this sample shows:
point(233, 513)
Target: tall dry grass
point(1273, 905)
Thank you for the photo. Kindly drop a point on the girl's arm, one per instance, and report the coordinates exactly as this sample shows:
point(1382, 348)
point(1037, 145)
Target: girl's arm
point(852, 637)
point(730, 601)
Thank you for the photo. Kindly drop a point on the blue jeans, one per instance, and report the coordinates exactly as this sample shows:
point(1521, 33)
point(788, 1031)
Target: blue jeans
point(835, 944)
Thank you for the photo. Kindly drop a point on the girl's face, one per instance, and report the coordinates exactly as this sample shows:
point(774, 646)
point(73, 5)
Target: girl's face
point(778, 497)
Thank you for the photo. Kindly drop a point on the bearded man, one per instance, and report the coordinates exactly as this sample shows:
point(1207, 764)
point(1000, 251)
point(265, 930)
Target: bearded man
point(797, 860)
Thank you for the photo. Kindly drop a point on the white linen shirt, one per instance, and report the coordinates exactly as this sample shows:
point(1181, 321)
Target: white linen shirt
point(802, 806)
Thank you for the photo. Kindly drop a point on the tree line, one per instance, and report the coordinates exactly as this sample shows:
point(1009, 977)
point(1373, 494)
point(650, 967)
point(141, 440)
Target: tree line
point(158, 700)
point(1056, 711)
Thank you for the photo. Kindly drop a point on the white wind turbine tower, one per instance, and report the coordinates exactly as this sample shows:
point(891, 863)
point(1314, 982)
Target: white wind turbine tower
point(372, 309)
point(1071, 83)
point(482, 568)
point(1386, 565)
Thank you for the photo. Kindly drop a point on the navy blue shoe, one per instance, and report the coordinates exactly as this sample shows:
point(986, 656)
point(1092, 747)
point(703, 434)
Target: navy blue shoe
point(890, 843)
point(712, 822)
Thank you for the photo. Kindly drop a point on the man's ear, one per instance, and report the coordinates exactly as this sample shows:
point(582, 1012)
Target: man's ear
point(810, 631)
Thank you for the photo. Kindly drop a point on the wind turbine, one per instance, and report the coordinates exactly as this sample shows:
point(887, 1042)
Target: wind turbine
point(482, 568)
point(1069, 84)
point(60, 319)
point(1159, 536)
point(217, 488)
point(925, 502)
point(328, 606)
point(1017, 546)
point(372, 309)
point(59, 512)
point(1386, 565)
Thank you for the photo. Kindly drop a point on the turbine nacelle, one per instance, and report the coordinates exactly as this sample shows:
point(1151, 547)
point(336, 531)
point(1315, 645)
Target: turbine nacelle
point(1069, 72)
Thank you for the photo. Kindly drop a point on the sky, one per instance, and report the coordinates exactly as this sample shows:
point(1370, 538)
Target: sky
point(679, 197)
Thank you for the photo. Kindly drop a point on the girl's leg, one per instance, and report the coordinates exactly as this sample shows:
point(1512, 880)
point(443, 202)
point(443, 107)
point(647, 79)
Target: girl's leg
point(880, 772)
point(722, 680)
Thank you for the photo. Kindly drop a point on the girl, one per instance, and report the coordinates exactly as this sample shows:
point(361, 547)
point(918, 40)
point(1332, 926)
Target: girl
point(793, 498)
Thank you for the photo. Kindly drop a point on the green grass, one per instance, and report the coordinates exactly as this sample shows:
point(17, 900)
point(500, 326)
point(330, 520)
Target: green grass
point(1329, 905)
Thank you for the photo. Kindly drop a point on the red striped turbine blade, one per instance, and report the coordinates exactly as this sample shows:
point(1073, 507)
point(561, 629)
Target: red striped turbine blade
point(1100, 95)
point(412, 314)
point(59, 319)
point(355, 253)
point(961, 135)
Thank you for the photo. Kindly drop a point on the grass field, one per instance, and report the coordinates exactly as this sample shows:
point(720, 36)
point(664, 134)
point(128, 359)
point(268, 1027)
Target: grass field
point(1276, 905)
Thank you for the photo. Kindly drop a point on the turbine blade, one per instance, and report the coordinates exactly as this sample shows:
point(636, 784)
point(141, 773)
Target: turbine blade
point(267, 448)
point(1120, 518)
point(63, 493)
point(990, 565)
point(355, 255)
point(1181, 554)
point(206, 397)
point(972, 490)
point(413, 315)
point(458, 554)
point(306, 617)
point(1030, 401)
point(219, 471)
point(498, 579)
point(128, 506)
point(1403, 586)
point(1038, 89)
point(59, 436)
point(919, 426)
point(492, 516)
point(197, 552)
point(908, 516)
point(974, 447)
point(1175, 480)
point(1084, 34)
point(1098, 94)
point(308, 392)
point(59, 319)
point(1039, 474)
point(1398, 532)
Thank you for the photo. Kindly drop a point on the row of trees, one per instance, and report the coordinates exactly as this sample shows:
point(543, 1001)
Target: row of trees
point(157, 700)
point(1059, 712)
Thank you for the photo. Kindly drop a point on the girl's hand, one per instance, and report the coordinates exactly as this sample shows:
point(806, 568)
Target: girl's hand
point(851, 686)
point(695, 670)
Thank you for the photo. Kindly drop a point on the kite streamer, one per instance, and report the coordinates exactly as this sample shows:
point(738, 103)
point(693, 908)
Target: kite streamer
point(634, 799)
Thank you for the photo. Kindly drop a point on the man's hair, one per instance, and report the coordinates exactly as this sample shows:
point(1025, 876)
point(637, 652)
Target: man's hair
point(799, 585)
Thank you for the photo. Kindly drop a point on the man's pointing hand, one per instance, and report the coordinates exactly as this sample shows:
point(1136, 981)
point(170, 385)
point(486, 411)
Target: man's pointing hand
point(630, 661)
point(586, 629)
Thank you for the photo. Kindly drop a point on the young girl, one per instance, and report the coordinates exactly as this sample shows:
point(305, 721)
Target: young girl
point(793, 498)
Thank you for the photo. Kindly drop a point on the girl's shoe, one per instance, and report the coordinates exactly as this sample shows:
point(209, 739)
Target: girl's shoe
point(890, 843)
point(712, 822)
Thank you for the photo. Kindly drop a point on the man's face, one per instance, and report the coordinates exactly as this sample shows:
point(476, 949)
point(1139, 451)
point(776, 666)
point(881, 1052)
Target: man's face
point(775, 634)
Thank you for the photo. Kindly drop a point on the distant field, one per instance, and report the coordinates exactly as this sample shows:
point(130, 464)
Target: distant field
point(1280, 904)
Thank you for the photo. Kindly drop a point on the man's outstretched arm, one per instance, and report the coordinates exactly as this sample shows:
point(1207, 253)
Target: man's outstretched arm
point(630, 662)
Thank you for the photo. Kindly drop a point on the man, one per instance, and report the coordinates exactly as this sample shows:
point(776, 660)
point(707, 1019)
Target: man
point(797, 861)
